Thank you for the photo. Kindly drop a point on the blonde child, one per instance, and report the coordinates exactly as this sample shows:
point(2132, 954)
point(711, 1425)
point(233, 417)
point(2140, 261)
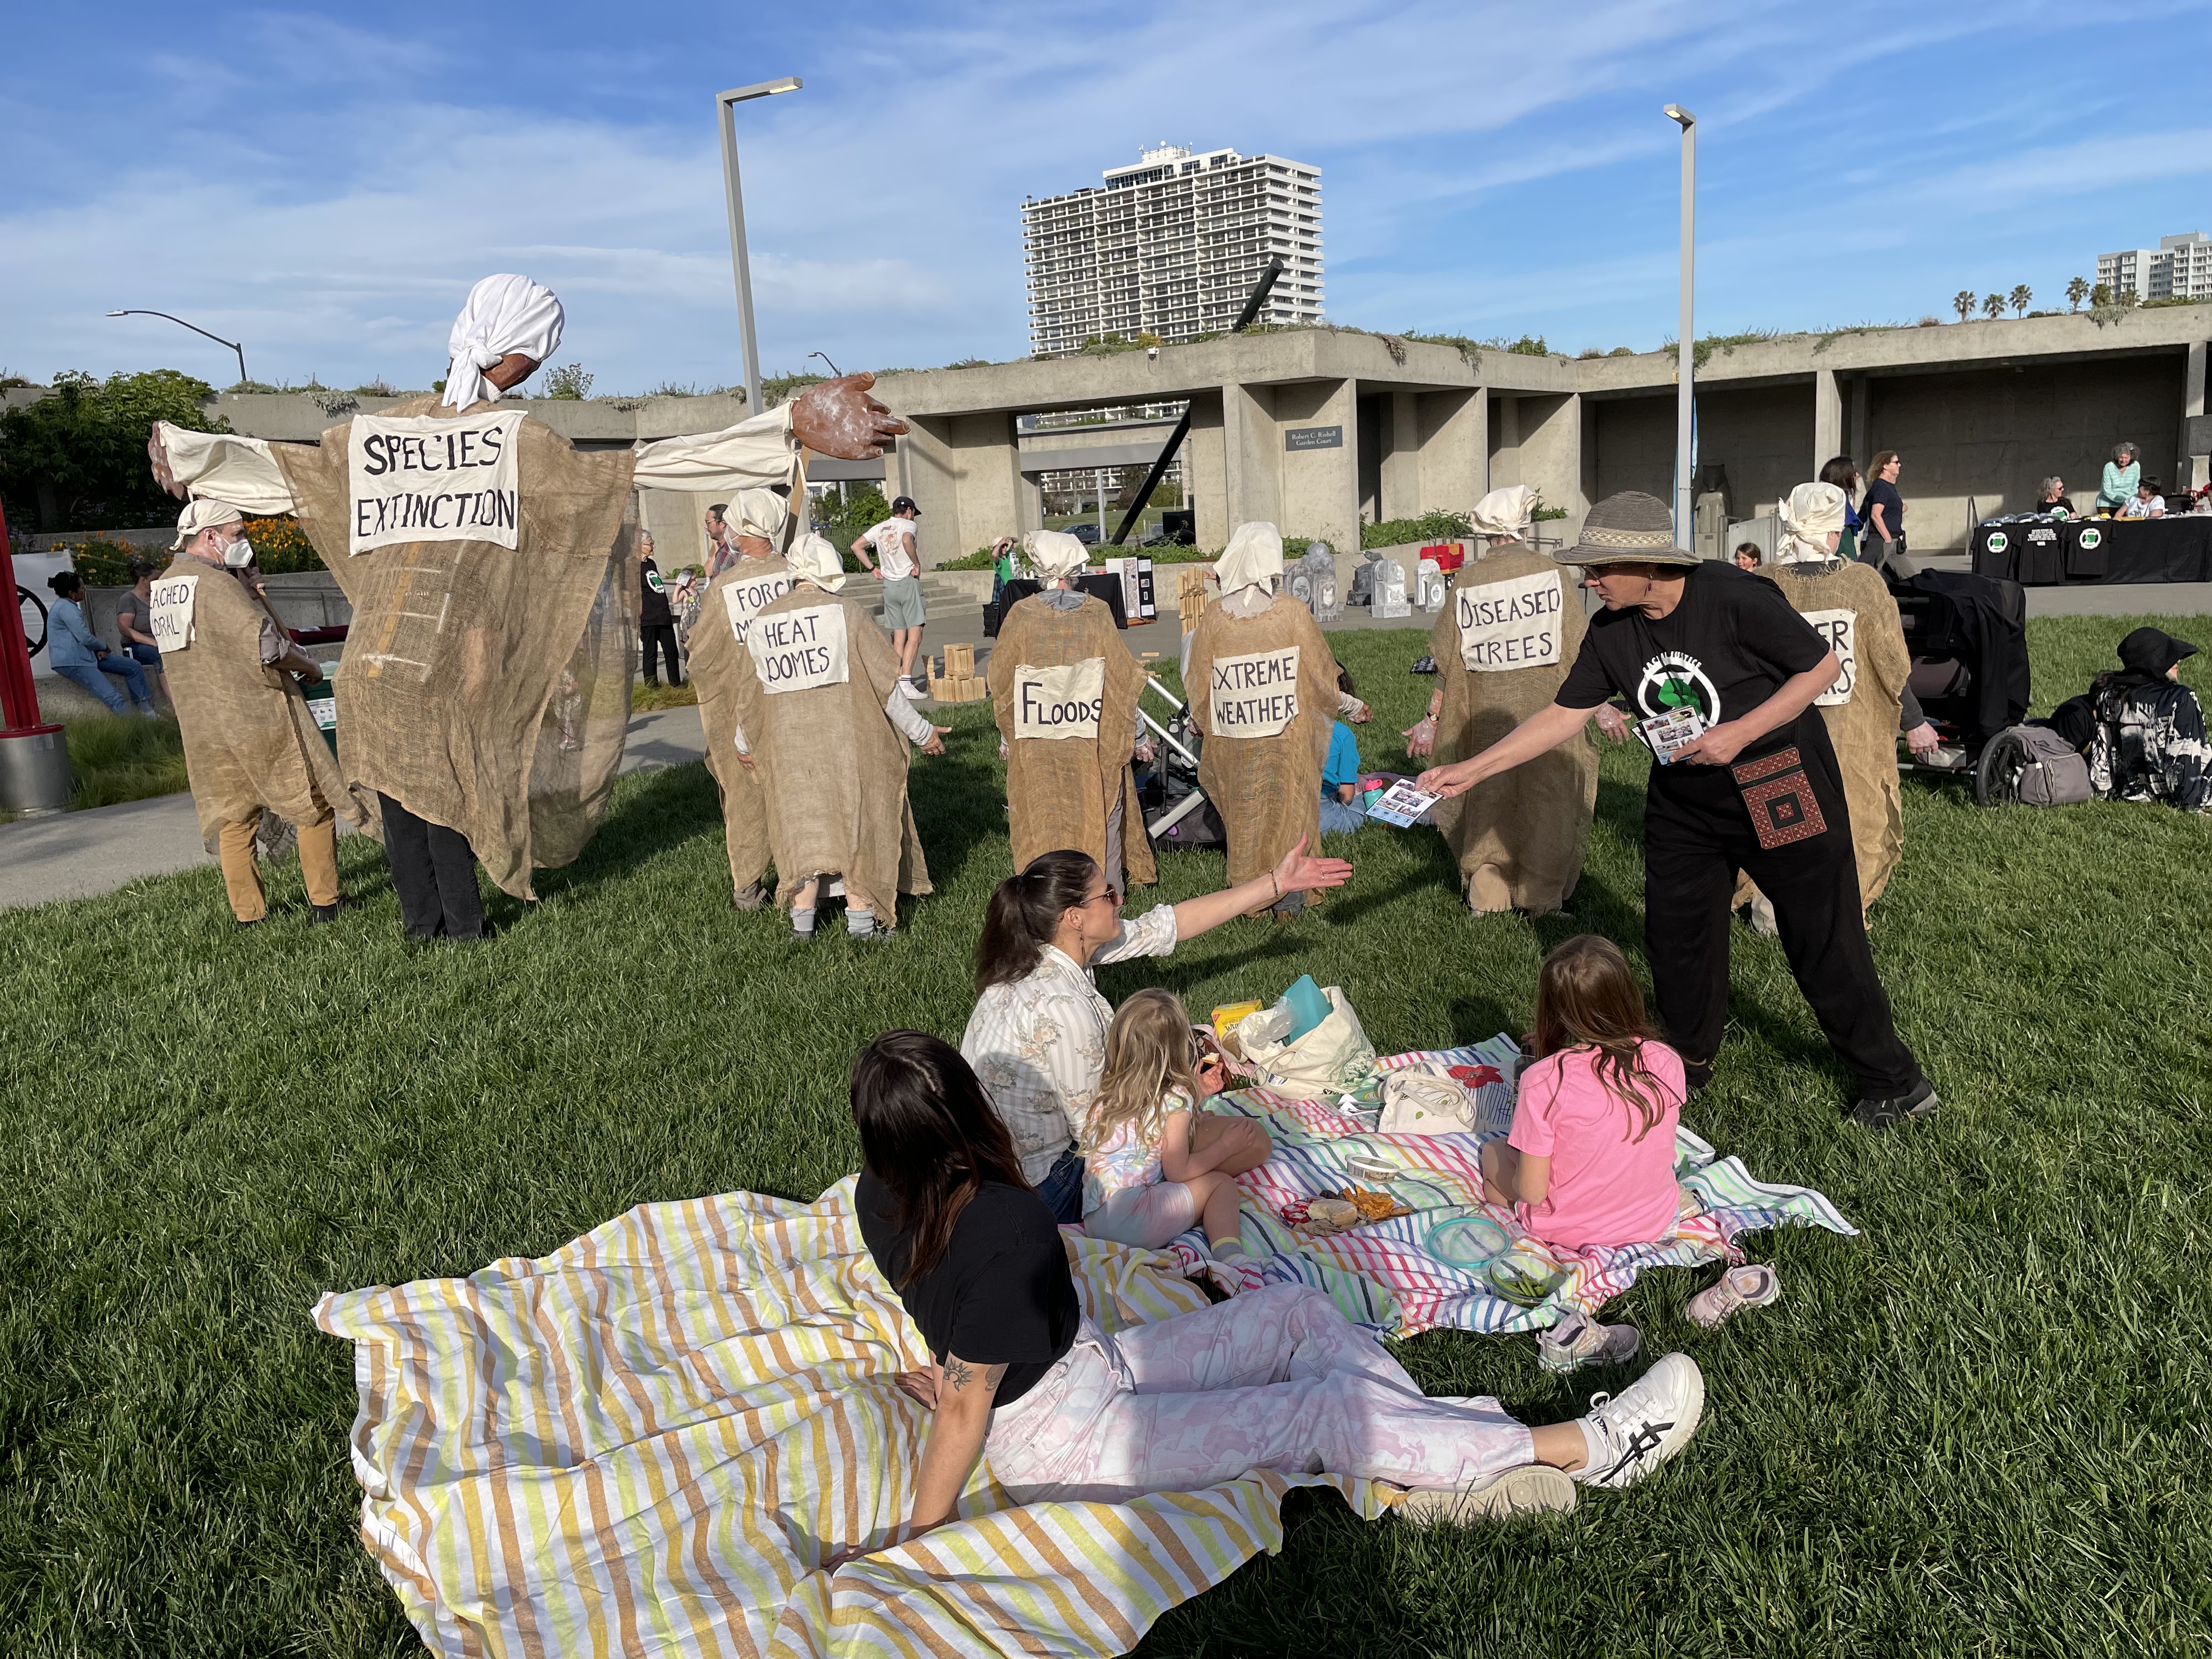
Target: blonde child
point(1157, 1161)
point(1589, 1161)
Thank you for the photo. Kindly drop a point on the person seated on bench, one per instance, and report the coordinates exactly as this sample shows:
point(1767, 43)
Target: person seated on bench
point(1275, 1378)
point(2142, 731)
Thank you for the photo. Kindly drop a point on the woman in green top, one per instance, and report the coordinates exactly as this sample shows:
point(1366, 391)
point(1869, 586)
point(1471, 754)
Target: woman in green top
point(2122, 474)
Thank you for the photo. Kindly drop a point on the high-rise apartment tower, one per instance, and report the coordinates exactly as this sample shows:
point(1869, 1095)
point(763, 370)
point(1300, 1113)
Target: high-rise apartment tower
point(1172, 246)
point(2178, 268)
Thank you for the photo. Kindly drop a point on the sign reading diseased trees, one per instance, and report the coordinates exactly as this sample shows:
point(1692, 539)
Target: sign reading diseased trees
point(1060, 702)
point(423, 478)
point(799, 650)
point(1254, 695)
point(1514, 623)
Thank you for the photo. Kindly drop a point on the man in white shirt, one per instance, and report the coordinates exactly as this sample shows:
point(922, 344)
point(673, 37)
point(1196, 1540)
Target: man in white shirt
point(905, 612)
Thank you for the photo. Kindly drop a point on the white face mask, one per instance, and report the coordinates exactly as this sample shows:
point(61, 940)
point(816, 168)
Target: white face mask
point(239, 554)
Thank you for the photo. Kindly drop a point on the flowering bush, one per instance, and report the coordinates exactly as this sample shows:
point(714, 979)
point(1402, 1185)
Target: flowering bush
point(104, 564)
point(281, 547)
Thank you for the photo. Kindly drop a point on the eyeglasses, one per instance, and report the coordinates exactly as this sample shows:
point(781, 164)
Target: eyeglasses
point(1111, 894)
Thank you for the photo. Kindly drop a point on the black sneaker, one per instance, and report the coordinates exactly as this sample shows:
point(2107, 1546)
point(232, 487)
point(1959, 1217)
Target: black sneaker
point(319, 915)
point(1880, 1114)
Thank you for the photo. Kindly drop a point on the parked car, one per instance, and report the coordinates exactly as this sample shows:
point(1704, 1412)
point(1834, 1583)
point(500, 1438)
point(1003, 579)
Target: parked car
point(1085, 533)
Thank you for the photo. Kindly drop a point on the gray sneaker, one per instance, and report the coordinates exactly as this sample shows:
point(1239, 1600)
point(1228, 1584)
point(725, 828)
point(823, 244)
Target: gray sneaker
point(1633, 1433)
point(1880, 1114)
point(1578, 1340)
point(1531, 1489)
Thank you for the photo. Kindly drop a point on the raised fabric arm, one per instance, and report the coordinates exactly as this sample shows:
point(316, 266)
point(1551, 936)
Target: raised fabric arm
point(222, 466)
point(754, 455)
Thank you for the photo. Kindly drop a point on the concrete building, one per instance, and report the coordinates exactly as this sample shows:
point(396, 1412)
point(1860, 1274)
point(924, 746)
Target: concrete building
point(2178, 268)
point(1321, 430)
point(1171, 246)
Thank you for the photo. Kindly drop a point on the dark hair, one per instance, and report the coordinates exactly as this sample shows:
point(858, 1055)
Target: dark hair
point(1587, 997)
point(1758, 554)
point(1843, 472)
point(928, 1132)
point(1882, 457)
point(64, 583)
point(1343, 681)
point(2151, 485)
point(139, 570)
point(1026, 912)
point(721, 509)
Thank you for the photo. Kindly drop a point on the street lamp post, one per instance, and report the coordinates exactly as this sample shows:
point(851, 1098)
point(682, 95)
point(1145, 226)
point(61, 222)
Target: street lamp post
point(725, 119)
point(196, 329)
point(1685, 395)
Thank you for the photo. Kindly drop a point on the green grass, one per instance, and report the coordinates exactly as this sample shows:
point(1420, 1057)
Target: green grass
point(1979, 1429)
point(120, 757)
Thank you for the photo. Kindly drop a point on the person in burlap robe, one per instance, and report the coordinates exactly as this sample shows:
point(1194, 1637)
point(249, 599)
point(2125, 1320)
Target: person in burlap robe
point(823, 721)
point(1068, 780)
point(1849, 605)
point(720, 662)
point(487, 671)
point(1501, 648)
point(252, 748)
point(1266, 729)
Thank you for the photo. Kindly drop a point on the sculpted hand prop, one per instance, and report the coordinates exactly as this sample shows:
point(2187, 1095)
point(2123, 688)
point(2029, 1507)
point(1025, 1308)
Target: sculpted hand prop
point(158, 453)
point(839, 418)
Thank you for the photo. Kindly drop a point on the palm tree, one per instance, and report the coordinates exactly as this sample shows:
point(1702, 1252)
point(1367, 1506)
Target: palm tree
point(2020, 299)
point(1963, 303)
point(2077, 290)
point(1993, 305)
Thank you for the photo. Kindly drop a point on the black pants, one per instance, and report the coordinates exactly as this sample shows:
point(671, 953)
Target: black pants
point(435, 872)
point(1691, 851)
point(664, 635)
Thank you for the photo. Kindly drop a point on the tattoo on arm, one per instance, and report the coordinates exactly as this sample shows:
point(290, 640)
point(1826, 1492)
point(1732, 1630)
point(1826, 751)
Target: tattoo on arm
point(958, 1373)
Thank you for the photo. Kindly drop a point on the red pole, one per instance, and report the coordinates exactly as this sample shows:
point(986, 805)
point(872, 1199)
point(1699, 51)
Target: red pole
point(19, 698)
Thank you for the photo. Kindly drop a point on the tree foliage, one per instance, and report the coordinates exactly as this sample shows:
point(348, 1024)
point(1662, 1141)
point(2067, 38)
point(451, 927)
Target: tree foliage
point(2020, 299)
point(2077, 290)
point(77, 459)
point(1963, 303)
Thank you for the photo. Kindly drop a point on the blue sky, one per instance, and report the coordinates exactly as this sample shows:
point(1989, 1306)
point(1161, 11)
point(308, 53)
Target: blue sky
point(323, 183)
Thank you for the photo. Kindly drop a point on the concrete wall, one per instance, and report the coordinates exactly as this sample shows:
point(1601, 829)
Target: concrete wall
point(1762, 435)
point(1633, 440)
point(1994, 435)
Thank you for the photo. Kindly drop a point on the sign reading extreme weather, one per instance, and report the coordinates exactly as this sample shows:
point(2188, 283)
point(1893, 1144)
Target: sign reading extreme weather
point(425, 478)
point(1254, 695)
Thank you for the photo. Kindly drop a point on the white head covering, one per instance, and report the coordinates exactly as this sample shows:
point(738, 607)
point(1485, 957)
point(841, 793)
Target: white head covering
point(757, 512)
point(503, 314)
point(1812, 511)
point(1253, 558)
point(1505, 514)
point(199, 515)
point(813, 560)
point(1054, 554)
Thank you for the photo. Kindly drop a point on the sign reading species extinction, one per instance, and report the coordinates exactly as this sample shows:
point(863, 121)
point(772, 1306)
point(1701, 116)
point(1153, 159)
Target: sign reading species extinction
point(799, 650)
point(1840, 629)
point(1254, 695)
point(1513, 623)
point(171, 608)
point(1060, 702)
point(421, 478)
point(748, 596)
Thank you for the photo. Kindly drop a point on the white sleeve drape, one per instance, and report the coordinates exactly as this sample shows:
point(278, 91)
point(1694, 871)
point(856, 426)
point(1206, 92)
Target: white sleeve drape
point(222, 465)
point(754, 455)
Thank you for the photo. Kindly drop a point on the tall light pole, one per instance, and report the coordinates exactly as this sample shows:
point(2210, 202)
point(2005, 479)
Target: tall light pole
point(725, 117)
point(1686, 356)
point(196, 329)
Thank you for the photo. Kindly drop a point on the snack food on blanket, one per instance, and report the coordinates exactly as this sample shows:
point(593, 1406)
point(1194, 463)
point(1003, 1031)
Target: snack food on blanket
point(1331, 1213)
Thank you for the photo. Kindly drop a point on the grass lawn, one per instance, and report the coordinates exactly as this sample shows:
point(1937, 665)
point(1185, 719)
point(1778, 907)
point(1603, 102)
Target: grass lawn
point(1979, 1429)
point(120, 757)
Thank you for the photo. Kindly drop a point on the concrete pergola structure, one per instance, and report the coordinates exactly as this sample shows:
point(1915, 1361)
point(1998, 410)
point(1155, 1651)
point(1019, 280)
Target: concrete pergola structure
point(1319, 430)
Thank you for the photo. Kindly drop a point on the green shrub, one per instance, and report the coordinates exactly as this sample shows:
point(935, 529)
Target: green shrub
point(281, 548)
point(105, 563)
point(77, 459)
point(1438, 527)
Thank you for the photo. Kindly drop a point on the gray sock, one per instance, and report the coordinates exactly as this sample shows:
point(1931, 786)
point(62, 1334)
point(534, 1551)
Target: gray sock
point(860, 923)
point(802, 921)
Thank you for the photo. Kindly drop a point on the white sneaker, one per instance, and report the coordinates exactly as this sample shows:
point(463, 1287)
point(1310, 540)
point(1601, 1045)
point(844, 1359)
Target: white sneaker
point(1633, 1433)
point(1578, 1340)
point(1531, 1489)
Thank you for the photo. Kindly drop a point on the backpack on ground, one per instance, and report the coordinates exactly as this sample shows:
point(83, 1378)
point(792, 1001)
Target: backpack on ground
point(2051, 770)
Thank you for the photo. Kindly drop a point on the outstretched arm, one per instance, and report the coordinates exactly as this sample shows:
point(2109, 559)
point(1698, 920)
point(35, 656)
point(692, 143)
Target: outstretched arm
point(1541, 732)
point(1296, 873)
point(218, 465)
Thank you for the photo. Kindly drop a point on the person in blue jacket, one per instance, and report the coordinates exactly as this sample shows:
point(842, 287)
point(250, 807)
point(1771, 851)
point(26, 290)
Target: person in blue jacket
point(79, 656)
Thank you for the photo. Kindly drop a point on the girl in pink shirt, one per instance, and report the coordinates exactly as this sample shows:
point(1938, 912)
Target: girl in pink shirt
point(1590, 1158)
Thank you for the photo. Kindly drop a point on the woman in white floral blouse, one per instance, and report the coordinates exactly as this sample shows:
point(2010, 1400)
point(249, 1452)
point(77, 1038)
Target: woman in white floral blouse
point(1037, 1038)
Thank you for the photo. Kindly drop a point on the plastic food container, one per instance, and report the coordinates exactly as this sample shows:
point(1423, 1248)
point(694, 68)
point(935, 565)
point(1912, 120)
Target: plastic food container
point(1370, 1170)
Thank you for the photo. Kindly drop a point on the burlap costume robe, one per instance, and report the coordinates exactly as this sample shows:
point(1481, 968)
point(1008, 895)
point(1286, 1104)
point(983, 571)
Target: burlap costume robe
point(832, 769)
point(718, 663)
point(485, 689)
point(1862, 727)
point(1061, 792)
point(1267, 790)
point(1520, 837)
point(250, 744)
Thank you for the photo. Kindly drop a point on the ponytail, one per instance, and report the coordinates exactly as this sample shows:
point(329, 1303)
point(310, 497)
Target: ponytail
point(1024, 914)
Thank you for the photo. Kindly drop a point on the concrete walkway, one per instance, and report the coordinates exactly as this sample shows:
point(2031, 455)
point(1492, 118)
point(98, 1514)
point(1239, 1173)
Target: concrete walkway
point(80, 854)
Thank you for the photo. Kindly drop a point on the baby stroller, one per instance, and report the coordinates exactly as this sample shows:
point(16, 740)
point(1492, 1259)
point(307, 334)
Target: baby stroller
point(1176, 811)
point(1968, 637)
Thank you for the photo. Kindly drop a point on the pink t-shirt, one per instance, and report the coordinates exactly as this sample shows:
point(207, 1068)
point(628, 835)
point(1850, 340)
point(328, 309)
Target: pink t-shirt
point(1607, 1187)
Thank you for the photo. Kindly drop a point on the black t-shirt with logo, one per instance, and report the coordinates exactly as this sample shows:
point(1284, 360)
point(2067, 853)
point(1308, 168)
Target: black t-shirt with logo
point(1000, 1295)
point(1724, 650)
point(652, 598)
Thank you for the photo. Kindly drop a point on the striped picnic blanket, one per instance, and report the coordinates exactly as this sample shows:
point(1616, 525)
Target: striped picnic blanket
point(1385, 1275)
point(649, 1441)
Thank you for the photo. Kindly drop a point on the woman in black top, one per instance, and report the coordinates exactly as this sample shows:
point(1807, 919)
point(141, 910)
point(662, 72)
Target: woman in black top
point(1275, 1378)
point(1881, 515)
point(656, 623)
point(1720, 674)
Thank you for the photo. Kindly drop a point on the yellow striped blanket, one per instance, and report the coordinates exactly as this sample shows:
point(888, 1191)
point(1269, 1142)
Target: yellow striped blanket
point(648, 1443)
